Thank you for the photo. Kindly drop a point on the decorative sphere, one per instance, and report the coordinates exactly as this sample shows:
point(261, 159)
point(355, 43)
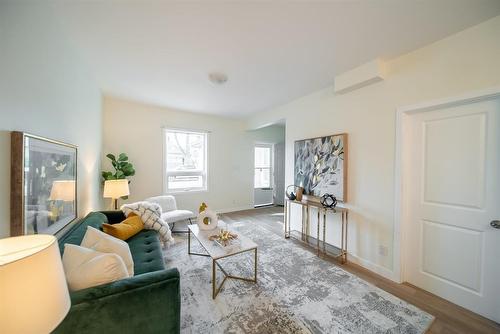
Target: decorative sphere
point(328, 201)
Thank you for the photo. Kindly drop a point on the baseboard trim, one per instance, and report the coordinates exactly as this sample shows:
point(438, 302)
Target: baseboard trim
point(239, 208)
point(376, 268)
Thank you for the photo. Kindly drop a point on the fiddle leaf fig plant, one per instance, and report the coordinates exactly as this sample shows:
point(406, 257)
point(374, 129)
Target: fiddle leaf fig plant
point(123, 168)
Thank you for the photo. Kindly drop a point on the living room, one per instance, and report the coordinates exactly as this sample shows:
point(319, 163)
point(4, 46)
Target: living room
point(336, 160)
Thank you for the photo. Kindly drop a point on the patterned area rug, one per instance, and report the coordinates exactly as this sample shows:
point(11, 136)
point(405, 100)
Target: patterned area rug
point(297, 292)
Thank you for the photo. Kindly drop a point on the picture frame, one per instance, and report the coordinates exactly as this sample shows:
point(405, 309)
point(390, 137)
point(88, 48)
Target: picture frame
point(320, 166)
point(43, 197)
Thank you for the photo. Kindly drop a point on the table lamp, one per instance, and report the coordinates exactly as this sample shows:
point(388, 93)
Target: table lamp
point(33, 290)
point(63, 191)
point(115, 189)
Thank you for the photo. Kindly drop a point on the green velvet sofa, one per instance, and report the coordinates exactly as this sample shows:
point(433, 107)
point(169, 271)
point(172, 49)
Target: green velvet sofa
point(148, 302)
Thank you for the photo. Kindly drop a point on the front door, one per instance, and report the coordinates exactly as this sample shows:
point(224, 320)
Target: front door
point(453, 189)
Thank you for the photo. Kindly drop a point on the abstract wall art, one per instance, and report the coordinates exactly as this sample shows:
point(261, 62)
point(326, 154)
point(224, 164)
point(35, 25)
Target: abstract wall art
point(321, 166)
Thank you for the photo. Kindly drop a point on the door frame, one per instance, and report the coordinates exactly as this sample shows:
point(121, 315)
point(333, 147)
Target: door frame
point(401, 219)
point(271, 177)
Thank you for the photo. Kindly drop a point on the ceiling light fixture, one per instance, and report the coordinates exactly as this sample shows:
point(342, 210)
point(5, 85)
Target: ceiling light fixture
point(217, 78)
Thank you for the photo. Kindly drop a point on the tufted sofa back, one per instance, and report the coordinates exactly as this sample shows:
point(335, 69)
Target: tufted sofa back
point(144, 246)
point(75, 235)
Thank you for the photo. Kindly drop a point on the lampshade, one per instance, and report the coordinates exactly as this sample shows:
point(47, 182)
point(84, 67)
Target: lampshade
point(33, 289)
point(63, 190)
point(116, 188)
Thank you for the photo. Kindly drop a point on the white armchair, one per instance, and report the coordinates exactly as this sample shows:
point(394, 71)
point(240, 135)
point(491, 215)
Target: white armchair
point(170, 213)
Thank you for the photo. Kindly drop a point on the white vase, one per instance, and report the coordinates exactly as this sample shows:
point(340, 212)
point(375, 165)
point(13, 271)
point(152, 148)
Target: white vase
point(212, 220)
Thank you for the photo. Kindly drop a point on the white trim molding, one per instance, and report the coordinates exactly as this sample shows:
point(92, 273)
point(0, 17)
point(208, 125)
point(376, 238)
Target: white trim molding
point(402, 114)
point(367, 264)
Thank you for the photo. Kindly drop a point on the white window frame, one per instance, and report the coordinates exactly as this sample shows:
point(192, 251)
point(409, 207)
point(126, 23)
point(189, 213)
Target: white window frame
point(166, 174)
point(271, 165)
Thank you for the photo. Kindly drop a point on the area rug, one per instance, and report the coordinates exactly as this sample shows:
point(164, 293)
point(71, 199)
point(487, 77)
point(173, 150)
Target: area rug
point(296, 292)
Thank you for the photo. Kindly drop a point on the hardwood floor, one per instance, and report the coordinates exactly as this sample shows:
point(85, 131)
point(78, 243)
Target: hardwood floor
point(450, 318)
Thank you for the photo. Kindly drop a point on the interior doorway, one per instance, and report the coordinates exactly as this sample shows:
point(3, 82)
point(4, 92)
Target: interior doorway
point(263, 174)
point(269, 165)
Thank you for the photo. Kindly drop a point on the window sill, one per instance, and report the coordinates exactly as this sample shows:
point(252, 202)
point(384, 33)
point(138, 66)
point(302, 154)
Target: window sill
point(180, 192)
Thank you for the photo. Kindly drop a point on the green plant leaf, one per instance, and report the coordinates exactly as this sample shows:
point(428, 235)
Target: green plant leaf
point(111, 157)
point(123, 168)
point(106, 175)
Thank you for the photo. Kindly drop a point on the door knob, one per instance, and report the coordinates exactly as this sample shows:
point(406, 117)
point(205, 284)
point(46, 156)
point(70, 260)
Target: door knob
point(495, 223)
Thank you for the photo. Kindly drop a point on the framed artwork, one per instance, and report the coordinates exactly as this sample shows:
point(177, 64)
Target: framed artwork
point(43, 184)
point(321, 166)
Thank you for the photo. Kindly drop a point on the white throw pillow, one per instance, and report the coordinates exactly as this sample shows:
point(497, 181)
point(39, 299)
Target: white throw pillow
point(105, 243)
point(86, 267)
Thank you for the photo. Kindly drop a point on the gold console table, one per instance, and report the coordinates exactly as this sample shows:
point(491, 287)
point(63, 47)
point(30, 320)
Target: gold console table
point(305, 206)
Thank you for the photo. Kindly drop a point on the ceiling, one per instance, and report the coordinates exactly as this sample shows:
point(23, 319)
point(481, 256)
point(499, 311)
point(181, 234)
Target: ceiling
point(161, 52)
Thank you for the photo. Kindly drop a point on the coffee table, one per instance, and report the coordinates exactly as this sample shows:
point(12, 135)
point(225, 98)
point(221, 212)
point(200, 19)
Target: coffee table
point(217, 252)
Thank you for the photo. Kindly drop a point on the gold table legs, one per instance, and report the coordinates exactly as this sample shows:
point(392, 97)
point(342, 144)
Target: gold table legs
point(286, 221)
point(216, 289)
point(305, 227)
point(189, 247)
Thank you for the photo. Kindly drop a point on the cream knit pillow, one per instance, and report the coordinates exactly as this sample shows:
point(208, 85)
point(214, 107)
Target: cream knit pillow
point(85, 267)
point(105, 243)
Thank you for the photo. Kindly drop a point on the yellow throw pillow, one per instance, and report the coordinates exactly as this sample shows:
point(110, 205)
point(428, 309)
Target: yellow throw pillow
point(126, 229)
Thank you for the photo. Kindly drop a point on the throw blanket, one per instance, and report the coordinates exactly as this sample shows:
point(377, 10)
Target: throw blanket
point(150, 214)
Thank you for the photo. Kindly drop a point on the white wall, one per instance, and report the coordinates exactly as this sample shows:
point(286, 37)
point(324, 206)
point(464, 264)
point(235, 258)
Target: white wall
point(467, 61)
point(271, 134)
point(136, 129)
point(45, 89)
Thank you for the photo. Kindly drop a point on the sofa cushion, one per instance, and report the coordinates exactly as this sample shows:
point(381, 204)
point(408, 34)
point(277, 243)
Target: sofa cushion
point(75, 235)
point(85, 267)
point(146, 251)
point(126, 229)
point(105, 243)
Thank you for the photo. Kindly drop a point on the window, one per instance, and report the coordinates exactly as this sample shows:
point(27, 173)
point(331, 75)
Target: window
point(185, 160)
point(263, 155)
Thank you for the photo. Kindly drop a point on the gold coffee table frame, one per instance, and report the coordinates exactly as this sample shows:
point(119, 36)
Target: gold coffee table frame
point(218, 255)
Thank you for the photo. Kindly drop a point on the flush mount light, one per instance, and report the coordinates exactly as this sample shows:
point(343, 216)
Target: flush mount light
point(217, 78)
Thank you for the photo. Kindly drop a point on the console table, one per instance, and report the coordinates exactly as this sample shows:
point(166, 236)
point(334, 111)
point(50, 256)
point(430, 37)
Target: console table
point(341, 252)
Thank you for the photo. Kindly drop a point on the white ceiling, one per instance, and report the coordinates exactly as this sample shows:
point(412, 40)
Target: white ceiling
point(161, 52)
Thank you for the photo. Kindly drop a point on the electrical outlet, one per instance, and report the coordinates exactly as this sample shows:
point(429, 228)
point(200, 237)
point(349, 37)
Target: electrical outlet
point(382, 250)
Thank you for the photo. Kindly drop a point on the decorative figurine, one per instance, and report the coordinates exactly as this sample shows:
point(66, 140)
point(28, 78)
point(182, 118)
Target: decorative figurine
point(328, 201)
point(224, 238)
point(207, 219)
point(295, 193)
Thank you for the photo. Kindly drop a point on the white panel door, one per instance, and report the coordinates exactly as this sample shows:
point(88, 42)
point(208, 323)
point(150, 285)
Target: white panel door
point(453, 187)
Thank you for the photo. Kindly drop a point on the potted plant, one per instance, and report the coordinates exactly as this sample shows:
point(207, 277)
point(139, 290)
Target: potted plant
point(123, 168)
